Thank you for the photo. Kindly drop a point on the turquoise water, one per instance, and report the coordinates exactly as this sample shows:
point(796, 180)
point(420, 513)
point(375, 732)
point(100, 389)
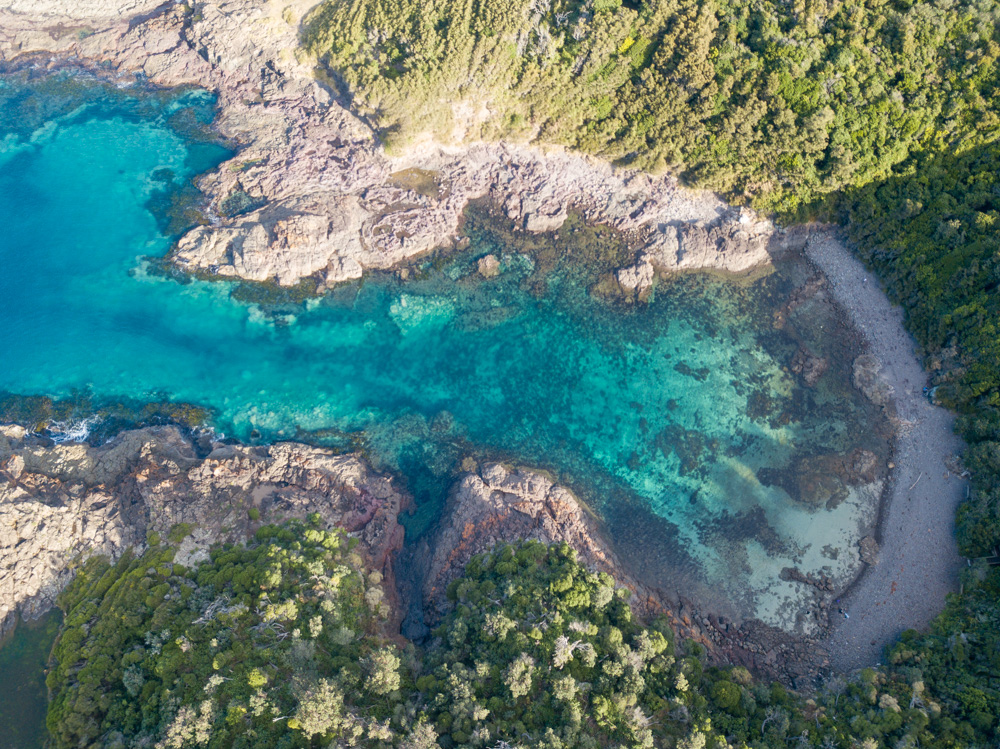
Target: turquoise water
point(665, 416)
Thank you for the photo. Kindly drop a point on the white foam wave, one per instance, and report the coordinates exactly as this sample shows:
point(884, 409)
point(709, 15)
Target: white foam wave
point(73, 431)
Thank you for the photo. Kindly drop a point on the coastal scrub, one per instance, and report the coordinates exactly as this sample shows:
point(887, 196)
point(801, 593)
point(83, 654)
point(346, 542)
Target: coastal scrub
point(779, 104)
point(278, 644)
point(264, 643)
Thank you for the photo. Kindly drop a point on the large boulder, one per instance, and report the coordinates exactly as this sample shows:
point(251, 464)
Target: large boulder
point(869, 380)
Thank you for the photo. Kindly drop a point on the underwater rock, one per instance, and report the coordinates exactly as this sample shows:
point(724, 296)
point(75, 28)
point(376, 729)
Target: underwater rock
point(489, 266)
point(868, 549)
point(868, 379)
point(811, 289)
point(820, 582)
point(59, 503)
point(861, 467)
point(816, 485)
point(823, 480)
point(809, 366)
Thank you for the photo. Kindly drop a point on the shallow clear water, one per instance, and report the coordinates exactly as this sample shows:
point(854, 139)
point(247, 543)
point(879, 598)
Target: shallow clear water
point(677, 420)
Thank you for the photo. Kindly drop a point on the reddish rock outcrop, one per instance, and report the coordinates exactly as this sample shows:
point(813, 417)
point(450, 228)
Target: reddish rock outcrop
point(63, 503)
point(498, 505)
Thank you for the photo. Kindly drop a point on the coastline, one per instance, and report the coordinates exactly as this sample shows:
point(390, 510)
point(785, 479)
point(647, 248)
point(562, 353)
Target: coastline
point(311, 192)
point(919, 560)
point(61, 503)
point(65, 502)
point(342, 196)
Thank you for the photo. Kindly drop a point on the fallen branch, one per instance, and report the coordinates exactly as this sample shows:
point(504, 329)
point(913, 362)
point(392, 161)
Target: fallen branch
point(916, 482)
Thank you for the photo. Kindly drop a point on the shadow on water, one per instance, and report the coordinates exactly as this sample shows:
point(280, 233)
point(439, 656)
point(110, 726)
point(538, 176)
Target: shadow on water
point(23, 695)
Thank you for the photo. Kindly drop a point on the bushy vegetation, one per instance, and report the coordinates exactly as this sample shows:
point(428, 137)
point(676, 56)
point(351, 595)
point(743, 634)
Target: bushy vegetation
point(538, 652)
point(778, 103)
point(959, 661)
point(278, 645)
point(270, 644)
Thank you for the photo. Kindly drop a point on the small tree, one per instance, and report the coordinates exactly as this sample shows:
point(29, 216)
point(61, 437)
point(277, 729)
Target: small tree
point(422, 736)
point(320, 709)
point(382, 671)
point(517, 677)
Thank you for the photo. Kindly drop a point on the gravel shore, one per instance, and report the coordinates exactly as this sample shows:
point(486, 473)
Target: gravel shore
point(919, 561)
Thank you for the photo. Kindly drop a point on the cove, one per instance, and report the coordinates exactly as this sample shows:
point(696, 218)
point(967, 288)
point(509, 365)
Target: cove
point(681, 421)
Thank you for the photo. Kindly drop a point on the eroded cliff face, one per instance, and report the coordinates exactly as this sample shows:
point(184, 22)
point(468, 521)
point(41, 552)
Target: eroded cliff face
point(62, 503)
point(311, 192)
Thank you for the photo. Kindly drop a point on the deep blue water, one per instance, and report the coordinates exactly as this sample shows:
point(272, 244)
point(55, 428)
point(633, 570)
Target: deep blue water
point(664, 416)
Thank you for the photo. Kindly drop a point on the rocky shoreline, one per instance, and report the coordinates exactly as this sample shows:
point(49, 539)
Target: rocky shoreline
point(62, 503)
point(496, 504)
point(312, 194)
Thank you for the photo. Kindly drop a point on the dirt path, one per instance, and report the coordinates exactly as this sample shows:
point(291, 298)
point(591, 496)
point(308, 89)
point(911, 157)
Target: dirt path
point(918, 562)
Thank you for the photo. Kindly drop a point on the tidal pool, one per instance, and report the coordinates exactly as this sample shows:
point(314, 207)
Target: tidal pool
point(682, 421)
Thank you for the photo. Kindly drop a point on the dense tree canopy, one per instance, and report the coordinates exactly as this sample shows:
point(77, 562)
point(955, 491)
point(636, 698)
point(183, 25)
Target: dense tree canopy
point(278, 645)
point(264, 645)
